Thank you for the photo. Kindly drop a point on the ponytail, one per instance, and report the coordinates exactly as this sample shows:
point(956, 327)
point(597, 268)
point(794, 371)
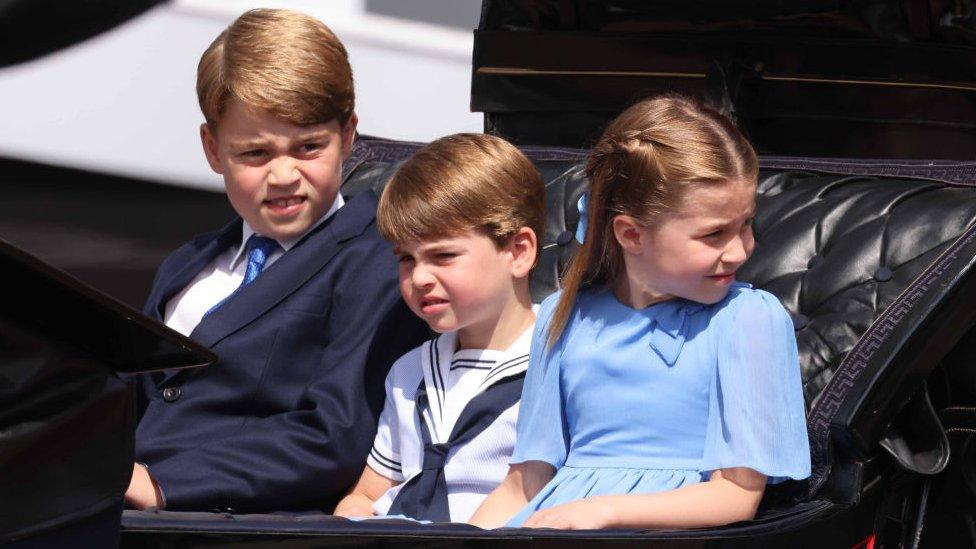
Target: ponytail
point(640, 167)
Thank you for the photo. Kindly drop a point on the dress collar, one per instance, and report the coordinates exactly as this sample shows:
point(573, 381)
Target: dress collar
point(671, 325)
point(669, 322)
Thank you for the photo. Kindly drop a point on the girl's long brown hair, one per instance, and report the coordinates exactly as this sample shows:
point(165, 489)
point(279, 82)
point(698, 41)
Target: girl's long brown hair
point(641, 166)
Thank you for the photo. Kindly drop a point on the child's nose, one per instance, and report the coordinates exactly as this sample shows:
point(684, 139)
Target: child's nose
point(283, 171)
point(422, 277)
point(737, 251)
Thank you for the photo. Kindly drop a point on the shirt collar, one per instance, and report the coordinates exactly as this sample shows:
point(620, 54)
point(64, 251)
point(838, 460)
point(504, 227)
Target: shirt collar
point(507, 363)
point(286, 244)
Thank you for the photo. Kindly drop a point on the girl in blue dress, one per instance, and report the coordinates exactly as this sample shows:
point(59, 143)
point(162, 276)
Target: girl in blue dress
point(660, 391)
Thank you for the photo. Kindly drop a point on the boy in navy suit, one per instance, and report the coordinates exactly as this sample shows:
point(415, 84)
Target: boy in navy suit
point(297, 297)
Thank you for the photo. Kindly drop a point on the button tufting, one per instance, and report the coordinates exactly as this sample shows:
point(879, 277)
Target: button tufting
point(171, 394)
point(814, 261)
point(564, 238)
point(799, 321)
point(883, 274)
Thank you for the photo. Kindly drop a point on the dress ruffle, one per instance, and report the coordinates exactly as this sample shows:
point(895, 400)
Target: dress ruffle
point(572, 483)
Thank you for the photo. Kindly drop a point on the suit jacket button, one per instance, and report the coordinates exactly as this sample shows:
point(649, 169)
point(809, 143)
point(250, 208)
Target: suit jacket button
point(171, 394)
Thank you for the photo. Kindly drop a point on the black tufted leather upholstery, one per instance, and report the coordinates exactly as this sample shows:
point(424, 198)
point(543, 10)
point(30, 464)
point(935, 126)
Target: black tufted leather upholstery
point(837, 249)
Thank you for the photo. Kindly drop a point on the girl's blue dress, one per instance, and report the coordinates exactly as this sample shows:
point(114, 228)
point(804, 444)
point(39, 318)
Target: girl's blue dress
point(639, 401)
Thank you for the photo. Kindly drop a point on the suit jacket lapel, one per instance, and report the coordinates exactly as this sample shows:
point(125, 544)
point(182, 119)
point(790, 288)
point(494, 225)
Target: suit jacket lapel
point(206, 252)
point(289, 273)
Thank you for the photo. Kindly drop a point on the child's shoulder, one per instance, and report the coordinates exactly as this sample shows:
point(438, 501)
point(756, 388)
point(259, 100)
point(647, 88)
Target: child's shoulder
point(547, 307)
point(178, 258)
point(407, 369)
point(545, 310)
point(585, 295)
point(745, 302)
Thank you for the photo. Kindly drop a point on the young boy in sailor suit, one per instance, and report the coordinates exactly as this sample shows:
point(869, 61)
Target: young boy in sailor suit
point(463, 214)
point(297, 297)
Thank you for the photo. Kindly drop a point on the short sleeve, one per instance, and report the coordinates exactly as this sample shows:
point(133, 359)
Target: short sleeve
point(384, 456)
point(757, 417)
point(541, 433)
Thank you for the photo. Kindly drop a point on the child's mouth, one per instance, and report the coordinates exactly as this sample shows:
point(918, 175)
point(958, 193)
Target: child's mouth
point(285, 206)
point(723, 278)
point(431, 305)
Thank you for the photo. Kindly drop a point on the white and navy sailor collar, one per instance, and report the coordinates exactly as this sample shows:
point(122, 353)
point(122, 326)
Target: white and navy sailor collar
point(466, 373)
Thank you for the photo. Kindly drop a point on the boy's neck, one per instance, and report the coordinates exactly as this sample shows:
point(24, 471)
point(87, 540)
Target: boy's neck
point(500, 333)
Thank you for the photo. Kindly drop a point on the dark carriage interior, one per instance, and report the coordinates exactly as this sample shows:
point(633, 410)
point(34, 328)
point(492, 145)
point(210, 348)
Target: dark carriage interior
point(828, 78)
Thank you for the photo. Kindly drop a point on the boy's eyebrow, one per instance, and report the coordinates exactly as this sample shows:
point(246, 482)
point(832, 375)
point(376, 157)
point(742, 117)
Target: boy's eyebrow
point(320, 134)
point(249, 143)
point(434, 248)
point(257, 142)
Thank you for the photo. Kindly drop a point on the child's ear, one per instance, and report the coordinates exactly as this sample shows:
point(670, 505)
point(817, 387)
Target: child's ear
point(209, 141)
point(349, 135)
point(627, 232)
point(523, 245)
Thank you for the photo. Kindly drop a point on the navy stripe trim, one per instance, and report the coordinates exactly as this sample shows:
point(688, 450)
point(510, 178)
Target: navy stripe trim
point(516, 359)
point(469, 367)
point(498, 373)
point(435, 365)
point(471, 364)
point(385, 461)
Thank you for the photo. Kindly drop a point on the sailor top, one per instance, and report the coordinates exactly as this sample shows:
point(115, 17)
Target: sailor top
point(451, 379)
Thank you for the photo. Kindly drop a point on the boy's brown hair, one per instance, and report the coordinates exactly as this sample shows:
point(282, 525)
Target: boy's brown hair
point(283, 61)
point(463, 182)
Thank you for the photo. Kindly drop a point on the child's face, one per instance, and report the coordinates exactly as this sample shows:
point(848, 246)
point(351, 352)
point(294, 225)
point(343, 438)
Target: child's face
point(280, 177)
point(462, 283)
point(694, 252)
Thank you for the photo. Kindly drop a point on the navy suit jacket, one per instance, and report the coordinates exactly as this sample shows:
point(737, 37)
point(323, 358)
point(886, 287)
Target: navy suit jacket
point(284, 419)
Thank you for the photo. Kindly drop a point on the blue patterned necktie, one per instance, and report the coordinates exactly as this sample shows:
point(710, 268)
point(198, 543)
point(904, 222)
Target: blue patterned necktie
point(259, 248)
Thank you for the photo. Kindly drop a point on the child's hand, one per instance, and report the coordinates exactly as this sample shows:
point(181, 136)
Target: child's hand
point(584, 514)
point(358, 503)
point(142, 492)
point(354, 508)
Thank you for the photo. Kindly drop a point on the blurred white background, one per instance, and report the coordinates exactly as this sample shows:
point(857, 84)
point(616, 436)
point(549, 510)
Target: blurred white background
point(124, 102)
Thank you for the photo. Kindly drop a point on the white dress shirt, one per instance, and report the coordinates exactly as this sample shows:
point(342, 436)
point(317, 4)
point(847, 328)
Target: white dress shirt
point(222, 276)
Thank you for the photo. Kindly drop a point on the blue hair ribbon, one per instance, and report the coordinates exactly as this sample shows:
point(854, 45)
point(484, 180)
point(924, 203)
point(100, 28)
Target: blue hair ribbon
point(581, 206)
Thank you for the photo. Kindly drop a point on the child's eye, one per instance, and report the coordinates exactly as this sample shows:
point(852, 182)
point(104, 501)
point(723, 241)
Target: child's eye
point(310, 147)
point(252, 154)
point(445, 256)
point(714, 234)
point(404, 258)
